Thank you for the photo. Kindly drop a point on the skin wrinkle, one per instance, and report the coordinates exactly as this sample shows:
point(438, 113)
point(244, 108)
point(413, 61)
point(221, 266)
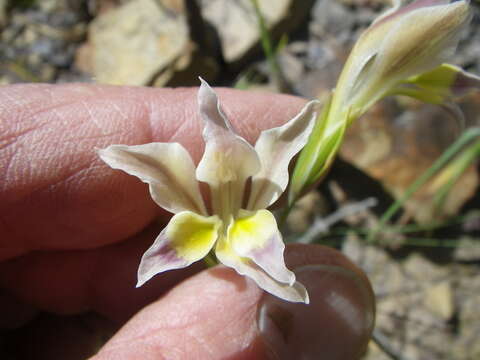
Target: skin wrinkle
point(158, 119)
point(10, 98)
point(48, 122)
point(19, 117)
point(46, 187)
point(178, 130)
point(119, 111)
point(152, 115)
point(249, 335)
point(92, 118)
point(33, 119)
point(22, 113)
point(49, 91)
point(6, 170)
point(194, 125)
point(244, 128)
point(80, 177)
point(23, 132)
point(231, 324)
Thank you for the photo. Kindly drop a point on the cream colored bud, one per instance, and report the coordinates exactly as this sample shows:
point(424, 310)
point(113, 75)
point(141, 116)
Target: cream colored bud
point(403, 43)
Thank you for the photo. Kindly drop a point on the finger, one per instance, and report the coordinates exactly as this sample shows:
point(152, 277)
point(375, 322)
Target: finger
point(70, 282)
point(57, 194)
point(220, 315)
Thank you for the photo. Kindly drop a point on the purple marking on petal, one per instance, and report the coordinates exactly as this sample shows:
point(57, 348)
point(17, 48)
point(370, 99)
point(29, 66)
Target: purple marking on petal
point(158, 258)
point(409, 8)
point(295, 292)
point(270, 259)
point(465, 82)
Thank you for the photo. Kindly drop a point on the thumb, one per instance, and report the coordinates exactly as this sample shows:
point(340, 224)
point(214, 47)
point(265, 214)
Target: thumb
point(218, 314)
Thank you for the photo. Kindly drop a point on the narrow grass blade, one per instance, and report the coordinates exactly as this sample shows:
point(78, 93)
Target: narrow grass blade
point(441, 162)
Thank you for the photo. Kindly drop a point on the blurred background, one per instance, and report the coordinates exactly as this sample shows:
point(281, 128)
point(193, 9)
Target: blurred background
point(424, 261)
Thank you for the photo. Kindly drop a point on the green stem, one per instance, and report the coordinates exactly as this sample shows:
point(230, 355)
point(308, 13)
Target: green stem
point(210, 260)
point(268, 48)
point(282, 219)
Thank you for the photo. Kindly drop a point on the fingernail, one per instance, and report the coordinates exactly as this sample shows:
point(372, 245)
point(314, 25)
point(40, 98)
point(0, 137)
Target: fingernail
point(337, 323)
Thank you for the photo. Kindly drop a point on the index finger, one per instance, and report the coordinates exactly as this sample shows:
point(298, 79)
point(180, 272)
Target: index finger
point(57, 194)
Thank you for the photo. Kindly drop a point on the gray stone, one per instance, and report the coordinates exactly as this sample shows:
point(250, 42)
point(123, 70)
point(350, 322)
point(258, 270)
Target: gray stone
point(131, 44)
point(439, 300)
point(423, 270)
point(468, 249)
point(331, 17)
point(237, 25)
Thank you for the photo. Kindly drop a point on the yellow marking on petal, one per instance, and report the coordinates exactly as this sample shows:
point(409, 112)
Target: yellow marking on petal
point(251, 230)
point(192, 235)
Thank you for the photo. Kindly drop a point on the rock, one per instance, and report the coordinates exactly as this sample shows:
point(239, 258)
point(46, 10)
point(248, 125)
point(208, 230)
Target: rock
point(133, 43)
point(439, 299)
point(472, 222)
point(292, 67)
point(185, 70)
point(416, 303)
point(467, 345)
point(40, 40)
point(467, 249)
point(332, 18)
point(237, 24)
point(422, 270)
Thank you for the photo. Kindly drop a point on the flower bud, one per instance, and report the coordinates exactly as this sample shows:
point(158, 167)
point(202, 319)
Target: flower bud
point(402, 52)
point(403, 43)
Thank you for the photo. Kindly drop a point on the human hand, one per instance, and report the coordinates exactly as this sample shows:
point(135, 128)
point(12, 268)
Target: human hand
point(72, 232)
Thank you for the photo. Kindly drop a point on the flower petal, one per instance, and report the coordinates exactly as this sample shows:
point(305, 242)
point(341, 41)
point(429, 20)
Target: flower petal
point(187, 238)
point(255, 235)
point(275, 148)
point(166, 167)
point(228, 158)
point(244, 266)
point(397, 9)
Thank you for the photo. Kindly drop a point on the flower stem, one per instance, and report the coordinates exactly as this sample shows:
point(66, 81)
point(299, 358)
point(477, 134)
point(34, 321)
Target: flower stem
point(210, 260)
